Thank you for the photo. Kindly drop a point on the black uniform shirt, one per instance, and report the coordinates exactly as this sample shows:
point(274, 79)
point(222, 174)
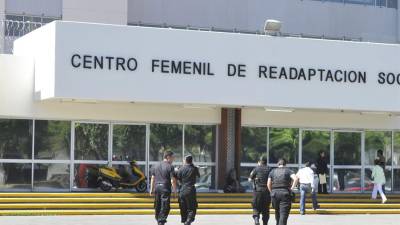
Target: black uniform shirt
point(260, 176)
point(280, 178)
point(187, 175)
point(163, 173)
point(322, 166)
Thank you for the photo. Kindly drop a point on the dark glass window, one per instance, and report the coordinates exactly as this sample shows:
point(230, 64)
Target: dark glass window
point(53, 176)
point(347, 148)
point(392, 4)
point(16, 139)
point(129, 142)
point(313, 143)
point(15, 175)
point(165, 137)
point(378, 140)
point(284, 143)
point(254, 143)
point(91, 141)
point(52, 139)
point(200, 142)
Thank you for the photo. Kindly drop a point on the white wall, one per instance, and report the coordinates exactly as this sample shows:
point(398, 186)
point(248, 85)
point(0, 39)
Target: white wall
point(17, 101)
point(308, 17)
point(97, 11)
point(319, 119)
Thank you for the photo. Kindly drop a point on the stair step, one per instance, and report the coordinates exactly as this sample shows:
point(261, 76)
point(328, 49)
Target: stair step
point(146, 195)
point(29, 206)
point(80, 203)
point(151, 200)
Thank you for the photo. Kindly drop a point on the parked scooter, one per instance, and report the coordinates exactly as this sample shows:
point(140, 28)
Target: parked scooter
point(122, 177)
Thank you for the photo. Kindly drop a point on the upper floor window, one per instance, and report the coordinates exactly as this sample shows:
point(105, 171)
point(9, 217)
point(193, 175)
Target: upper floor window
point(380, 3)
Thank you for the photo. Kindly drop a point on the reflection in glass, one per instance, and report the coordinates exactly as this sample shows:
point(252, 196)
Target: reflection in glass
point(313, 143)
point(15, 175)
point(392, 4)
point(244, 175)
point(91, 141)
point(377, 140)
point(347, 180)
point(347, 148)
point(86, 175)
point(206, 181)
point(396, 149)
point(165, 137)
point(125, 171)
point(396, 180)
point(200, 142)
point(364, 2)
point(129, 142)
point(380, 2)
point(16, 139)
point(52, 139)
point(284, 143)
point(368, 180)
point(51, 176)
point(254, 143)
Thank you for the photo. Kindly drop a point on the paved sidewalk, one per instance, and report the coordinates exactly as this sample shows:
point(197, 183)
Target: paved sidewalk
point(200, 220)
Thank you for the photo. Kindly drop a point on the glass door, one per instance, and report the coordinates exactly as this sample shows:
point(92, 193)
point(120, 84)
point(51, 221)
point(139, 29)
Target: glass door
point(347, 169)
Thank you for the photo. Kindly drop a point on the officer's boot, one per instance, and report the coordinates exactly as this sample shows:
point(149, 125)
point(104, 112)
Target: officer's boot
point(256, 221)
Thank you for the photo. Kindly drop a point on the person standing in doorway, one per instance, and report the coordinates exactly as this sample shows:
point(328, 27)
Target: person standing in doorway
point(381, 158)
point(379, 179)
point(306, 179)
point(281, 182)
point(382, 163)
point(322, 171)
point(261, 195)
point(162, 179)
point(187, 176)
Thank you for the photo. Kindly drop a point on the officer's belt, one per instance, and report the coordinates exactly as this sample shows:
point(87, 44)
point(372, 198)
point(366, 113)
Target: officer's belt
point(162, 183)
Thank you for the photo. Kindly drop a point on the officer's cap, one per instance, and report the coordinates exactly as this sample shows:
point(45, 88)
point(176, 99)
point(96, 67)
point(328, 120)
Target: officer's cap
point(168, 154)
point(263, 159)
point(189, 159)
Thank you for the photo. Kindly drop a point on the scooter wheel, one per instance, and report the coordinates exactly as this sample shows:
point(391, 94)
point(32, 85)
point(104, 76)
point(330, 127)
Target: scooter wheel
point(141, 187)
point(105, 186)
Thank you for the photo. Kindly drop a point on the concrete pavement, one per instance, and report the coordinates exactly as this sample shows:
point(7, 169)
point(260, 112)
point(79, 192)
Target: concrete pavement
point(200, 220)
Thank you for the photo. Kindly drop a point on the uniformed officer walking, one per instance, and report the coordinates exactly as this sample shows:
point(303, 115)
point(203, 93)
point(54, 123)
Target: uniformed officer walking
point(187, 194)
point(162, 178)
point(281, 182)
point(261, 194)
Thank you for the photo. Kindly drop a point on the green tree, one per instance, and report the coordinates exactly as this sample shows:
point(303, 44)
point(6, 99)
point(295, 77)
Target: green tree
point(284, 143)
point(254, 143)
point(91, 141)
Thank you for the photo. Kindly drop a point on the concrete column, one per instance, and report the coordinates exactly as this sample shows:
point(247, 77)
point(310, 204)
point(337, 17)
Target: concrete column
point(230, 144)
point(2, 24)
point(96, 11)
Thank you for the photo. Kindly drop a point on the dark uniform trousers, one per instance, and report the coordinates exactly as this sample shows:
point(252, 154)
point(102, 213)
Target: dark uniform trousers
point(187, 204)
point(162, 202)
point(282, 203)
point(261, 202)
